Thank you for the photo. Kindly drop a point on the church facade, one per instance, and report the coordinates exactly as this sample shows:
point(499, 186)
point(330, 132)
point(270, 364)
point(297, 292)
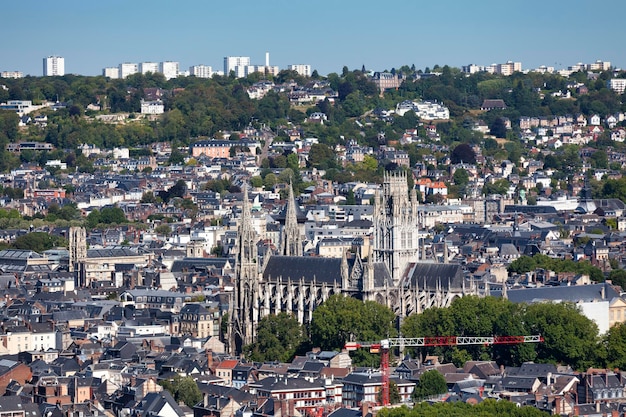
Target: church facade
point(391, 273)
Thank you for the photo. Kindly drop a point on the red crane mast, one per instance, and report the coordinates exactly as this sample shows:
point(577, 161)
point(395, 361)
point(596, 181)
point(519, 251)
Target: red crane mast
point(384, 345)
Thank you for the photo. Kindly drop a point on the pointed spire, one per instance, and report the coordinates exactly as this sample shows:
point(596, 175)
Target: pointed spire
point(291, 240)
point(246, 211)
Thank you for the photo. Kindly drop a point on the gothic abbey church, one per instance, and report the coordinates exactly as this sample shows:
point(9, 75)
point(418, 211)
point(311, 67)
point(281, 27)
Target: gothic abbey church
point(391, 273)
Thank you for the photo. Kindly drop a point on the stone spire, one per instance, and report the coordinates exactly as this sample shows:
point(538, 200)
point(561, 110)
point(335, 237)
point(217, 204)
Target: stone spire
point(291, 244)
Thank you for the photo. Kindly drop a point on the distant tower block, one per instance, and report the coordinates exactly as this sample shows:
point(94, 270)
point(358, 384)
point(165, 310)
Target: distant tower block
point(267, 59)
point(77, 247)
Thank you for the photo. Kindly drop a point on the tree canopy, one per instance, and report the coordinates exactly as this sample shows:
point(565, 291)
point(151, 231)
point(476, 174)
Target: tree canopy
point(487, 408)
point(430, 383)
point(570, 338)
point(278, 339)
point(341, 319)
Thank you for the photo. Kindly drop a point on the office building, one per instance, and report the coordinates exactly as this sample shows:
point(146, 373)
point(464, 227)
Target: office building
point(53, 66)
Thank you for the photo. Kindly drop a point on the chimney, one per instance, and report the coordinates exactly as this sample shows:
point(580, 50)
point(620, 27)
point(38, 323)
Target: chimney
point(209, 358)
point(557, 405)
point(576, 410)
point(597, 406)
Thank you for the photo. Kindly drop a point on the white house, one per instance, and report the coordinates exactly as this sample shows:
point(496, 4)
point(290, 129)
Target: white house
point(152, 107)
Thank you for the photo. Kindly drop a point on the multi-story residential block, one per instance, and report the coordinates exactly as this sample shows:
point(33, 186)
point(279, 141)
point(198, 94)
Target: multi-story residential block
point(169, 69)
point(236, 64)
point(509, 68)
point(599, 65)
point(201, 71)
point(302, 69)
point(617, 84)
point(146, 67)
point(53, 66)
point(111, 72)
point(11, 74)
point(128, 68)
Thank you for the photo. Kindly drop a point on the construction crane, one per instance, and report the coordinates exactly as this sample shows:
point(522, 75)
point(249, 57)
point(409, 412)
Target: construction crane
point(384, 345)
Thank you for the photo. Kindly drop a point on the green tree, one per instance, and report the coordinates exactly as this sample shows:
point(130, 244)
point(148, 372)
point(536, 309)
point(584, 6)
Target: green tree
point(148, 197)
point(615, 341)
point(112, 215)
point(570, 338)
point(36, 241)
point(461, 177)
point(93, 219)
point(618, 277)
point(498, 128)
point(487, 408)
point(278, 338)
point(430, 383)
point(163, 229)
point(500, 187)
point(340, 319)
point(522, 264)
point(256, 182)
point(183, 389)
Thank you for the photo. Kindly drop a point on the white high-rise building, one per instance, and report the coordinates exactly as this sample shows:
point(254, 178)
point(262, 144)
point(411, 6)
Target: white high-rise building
point(146, 67)
point(201, 71)
point(618, 85)
point(128, 68)
point(302, 69)
point(53, 66)
point(169, 69)
point(237, 64)
point(111, 72)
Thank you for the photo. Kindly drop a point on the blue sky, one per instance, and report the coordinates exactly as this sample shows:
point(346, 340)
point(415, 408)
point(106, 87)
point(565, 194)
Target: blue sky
point(92, 34)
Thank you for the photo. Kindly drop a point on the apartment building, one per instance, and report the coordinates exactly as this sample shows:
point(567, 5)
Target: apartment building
point(302, 69)
point(236, 64)
point(53, 66)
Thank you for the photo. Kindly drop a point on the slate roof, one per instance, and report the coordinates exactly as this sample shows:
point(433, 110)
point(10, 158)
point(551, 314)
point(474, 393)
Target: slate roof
point(347, 412)
point(110, 253)
point(573, 293)
point(326, 270)
point(191, 264)
point(516, 383)
point(430, 275)
point(529, 369)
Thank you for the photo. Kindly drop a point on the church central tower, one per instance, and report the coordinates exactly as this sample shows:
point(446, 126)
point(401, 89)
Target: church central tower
point(245, 310)
point(396, 240)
